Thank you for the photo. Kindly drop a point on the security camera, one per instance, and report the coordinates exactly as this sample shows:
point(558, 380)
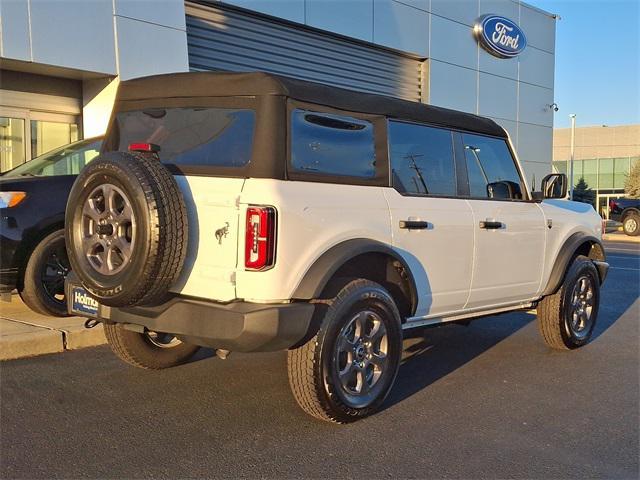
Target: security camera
point(554, 107)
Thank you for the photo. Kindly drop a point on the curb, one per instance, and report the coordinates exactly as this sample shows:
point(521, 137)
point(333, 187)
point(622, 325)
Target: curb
point(29, 344)
point(620, 237)
point(24, 333)
point(20, 339)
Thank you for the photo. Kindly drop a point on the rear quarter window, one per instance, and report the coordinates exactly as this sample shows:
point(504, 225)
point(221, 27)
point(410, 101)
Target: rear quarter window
point(191, 136)
point(330, 144)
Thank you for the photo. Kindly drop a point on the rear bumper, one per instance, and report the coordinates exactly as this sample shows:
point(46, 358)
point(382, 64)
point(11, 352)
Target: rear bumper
point(237, 326)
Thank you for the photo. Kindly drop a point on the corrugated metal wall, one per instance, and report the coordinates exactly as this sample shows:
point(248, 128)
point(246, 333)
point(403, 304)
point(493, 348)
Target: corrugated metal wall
point(226, 39)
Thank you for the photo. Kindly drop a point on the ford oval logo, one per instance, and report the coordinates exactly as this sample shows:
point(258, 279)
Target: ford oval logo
point(500, 36)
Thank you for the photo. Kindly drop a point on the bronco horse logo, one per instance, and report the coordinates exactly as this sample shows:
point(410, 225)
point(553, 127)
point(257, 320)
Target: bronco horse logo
point(500, 36)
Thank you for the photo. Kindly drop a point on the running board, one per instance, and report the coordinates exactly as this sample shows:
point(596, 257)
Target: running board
point(414, 322)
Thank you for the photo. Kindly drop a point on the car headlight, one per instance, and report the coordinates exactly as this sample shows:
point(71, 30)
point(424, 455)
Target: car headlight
point(11, 199)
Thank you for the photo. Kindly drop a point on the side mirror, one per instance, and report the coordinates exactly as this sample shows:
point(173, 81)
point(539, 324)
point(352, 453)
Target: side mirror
point(554, 185)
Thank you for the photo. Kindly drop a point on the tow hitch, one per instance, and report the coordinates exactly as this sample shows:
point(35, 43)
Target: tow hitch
point(91, 322)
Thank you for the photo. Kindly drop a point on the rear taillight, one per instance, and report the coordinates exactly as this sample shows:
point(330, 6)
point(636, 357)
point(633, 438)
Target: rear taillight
point(144, 147)
point(260, 238)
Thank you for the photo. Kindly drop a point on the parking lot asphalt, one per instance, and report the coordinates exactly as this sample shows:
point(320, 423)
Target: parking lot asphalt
point(484, 401)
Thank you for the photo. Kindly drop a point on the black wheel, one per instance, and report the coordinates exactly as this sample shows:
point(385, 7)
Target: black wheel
point(567, 318)
point(149, 350)
point(346, 371)
point(42, 288)
point(631, 224)
point(126, 229)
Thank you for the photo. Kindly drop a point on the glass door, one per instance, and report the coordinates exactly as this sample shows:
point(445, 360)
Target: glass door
point(12, 142)
point(27, 134)
point(49, 131)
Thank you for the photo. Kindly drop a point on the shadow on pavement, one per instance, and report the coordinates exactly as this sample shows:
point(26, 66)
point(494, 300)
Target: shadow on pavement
point(614, 300)
point(436, 352)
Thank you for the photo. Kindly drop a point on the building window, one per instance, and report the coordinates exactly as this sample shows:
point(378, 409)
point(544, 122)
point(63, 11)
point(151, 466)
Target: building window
point(46, 136)
point(620, 172)
point(605, 174)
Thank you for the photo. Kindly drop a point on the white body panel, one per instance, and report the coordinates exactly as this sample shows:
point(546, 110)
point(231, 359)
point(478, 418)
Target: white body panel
point(508, 262)
point(210, 266)
point(566, 218)
point(312, 217)
point(440, 257)
point(459, 269)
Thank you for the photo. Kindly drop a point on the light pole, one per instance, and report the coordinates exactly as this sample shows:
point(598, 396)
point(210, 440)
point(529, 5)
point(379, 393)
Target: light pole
point(573, 146)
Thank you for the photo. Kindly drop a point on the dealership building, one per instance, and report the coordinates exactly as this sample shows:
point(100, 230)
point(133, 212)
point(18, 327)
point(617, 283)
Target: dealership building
point(61, 61)
point(602, 155)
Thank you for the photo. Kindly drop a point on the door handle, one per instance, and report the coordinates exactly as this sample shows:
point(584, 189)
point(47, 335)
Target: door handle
point(491, 225)
point(414, 224)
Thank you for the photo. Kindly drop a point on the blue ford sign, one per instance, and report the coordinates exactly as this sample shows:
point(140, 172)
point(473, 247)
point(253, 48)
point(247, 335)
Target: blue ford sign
point(500, 36)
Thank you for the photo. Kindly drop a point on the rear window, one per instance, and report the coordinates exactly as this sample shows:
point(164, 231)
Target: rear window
point(191, 136)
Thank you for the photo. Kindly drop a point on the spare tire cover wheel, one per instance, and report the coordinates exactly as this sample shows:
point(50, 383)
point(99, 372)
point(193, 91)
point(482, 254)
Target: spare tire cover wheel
point(126, 229)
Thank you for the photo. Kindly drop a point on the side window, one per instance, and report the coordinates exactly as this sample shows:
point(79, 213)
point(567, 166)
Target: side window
point(332, 144)
point(491, 168)
point(422, 159)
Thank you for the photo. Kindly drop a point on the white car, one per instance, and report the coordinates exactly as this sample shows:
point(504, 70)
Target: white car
point(251, 212)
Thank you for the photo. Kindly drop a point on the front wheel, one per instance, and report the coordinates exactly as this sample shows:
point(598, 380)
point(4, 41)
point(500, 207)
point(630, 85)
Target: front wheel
point(42, 288)
point(346, 371)
point(567, 318)
point(149, 350)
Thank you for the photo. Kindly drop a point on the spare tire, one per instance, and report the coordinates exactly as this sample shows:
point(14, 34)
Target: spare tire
point(126, 229)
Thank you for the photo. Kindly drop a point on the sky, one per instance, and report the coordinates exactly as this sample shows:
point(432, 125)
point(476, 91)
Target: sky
point(597, 61)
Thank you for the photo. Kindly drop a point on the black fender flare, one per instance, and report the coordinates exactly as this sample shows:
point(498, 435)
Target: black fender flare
point(568, 252)
point(322, 270)
point(628, 211)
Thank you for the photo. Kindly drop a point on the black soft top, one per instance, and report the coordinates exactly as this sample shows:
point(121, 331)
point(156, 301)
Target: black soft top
point(214, 84)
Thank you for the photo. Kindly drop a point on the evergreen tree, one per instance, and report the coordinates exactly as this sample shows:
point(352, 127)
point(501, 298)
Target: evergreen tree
point(632, 184)
point(582, 192)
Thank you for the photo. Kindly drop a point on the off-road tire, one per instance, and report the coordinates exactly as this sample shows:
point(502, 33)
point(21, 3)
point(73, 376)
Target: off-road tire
point(630, 219)
point(308, 366)
point(160, 243)
point(135, 349)
point(32, 289)
point(554, 310)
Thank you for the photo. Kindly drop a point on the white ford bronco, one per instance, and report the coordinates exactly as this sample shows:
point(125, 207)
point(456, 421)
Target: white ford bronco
point(252, 212)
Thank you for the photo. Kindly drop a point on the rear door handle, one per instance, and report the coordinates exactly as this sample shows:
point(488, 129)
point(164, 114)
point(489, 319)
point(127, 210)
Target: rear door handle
point(414, 224)
point(491, 225)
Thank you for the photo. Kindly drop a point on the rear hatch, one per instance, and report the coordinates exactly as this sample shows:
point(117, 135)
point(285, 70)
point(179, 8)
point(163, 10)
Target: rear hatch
point(204, 147)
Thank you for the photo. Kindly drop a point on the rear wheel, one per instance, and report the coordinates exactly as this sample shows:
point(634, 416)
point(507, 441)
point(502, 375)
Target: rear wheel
point(42, 288)
point(631, 224)
point(149, 350)
point(567, 318)
point(346, 371)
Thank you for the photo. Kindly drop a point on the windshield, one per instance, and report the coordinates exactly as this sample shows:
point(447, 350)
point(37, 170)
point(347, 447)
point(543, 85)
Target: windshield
point(67, 160)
